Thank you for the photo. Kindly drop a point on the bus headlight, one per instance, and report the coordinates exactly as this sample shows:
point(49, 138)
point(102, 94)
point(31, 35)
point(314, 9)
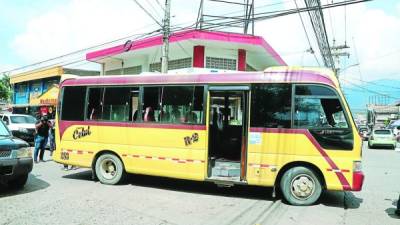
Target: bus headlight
point(357, 166)
point(24, 152)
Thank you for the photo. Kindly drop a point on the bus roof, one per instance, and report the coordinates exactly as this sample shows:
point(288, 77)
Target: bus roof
point(281, 74)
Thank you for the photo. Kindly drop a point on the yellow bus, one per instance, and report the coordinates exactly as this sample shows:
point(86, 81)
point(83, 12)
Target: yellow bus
point(286, 127)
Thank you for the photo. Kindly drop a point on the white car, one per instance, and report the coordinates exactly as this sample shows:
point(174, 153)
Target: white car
point(20, 125)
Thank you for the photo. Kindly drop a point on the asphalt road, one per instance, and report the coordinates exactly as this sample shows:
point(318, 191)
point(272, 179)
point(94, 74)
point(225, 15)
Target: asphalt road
point(54, 196)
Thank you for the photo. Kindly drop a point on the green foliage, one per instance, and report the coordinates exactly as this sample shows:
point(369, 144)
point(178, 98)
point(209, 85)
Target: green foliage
point(5, 88)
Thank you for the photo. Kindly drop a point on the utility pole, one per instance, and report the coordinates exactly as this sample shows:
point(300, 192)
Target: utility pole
point(165, 46)
point(337, 52)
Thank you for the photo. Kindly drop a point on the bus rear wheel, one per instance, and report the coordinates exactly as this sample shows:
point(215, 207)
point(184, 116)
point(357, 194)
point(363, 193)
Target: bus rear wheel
point(109, 169)
point(300, 186)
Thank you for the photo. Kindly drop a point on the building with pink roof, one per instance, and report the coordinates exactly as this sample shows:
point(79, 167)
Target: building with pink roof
point(189, 51)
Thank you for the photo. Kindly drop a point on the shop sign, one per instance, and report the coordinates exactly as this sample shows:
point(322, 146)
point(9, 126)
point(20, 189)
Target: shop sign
point(48, 101)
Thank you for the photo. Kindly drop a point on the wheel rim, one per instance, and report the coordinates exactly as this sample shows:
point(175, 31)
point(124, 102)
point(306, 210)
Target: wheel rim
point(108, 169)
point(302, 187)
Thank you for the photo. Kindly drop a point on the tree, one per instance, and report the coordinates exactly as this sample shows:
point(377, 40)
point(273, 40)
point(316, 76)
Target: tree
point(5, 88)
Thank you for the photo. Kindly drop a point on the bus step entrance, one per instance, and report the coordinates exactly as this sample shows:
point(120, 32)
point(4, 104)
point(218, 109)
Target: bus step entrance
point(226, 169)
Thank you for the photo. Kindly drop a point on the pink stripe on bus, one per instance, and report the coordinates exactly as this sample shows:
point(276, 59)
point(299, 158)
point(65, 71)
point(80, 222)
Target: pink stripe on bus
point(63, 125)
point(301, 76)
point(332, 164)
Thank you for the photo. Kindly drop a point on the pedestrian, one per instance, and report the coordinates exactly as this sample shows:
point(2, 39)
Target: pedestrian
point(42, 133)
point(52, 138)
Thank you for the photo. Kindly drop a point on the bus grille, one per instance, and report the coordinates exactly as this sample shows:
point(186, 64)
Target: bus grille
point(4, 154)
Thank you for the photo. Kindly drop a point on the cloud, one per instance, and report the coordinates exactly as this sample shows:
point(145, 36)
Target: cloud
point(82, 23)
point(78, 24)
point(371, 34)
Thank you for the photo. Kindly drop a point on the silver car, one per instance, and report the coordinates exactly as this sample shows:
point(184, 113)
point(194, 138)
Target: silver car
point(382, 138)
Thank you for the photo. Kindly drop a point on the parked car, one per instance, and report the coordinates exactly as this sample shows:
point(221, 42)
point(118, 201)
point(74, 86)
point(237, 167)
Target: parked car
point(382, 138)
point(15, 159)
point(20, 125)
point(396, 130)
point(363, 131)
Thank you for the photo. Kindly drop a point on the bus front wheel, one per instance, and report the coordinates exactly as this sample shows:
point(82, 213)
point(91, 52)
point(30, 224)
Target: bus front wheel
point(109, 169)
point(300, 186)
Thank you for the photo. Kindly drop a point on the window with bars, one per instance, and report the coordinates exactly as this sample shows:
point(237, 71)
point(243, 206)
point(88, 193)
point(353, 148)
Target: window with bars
point(172, 64)
point(220, 63)
point(127, 70)
point(133, 70)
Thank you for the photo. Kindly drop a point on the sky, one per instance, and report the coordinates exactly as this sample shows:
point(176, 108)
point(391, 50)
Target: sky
point(32, 31)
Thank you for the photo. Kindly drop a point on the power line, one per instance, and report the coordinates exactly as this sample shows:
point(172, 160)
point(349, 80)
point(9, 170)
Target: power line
point(158, 3)
point(77, 60)
point(369, 90)
point(375, 84)
point(318, 24)
point(78, 51)
point(154, 9)
point(330, 21)
point(305, 31)
point(279, 13)
point(262, 16)
point(148, 13)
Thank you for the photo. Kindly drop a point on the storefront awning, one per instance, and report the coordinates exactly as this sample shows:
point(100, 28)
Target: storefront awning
point(47, 98)
point(34, 75)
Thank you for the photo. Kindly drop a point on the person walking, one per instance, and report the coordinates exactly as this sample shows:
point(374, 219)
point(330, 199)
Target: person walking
point(42, 133)
point(52, 138)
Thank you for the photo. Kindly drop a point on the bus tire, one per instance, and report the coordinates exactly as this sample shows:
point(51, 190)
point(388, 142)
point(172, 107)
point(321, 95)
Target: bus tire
point(300, 186)
point(109, 169)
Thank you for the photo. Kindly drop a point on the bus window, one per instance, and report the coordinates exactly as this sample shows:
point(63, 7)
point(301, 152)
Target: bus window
point(95, 104)
point(314, 90)
point(182, 104)
point(118, 103)
point(151, 103)
point(113, 104)
point(322, 114)
point(179, 104)
point(271, 105)
point(73, 103)
point(319, 112)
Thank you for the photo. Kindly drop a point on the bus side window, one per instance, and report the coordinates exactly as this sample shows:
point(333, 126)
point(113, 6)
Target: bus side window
point(182, 104)
point(151, 104)
point(95, 104)
point(318, 109)
point(271, 105)
point(73, 103)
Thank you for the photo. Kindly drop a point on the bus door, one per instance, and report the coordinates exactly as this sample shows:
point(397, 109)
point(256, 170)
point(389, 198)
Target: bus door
point(227, 123)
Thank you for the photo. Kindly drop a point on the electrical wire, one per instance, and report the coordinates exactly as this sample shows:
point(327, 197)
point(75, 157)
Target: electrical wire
point(369, 90)
point(78, 51)
point(375, 84)
point(77, 60)
point(154, 9)
point(148, 13)
point(305, 31)
point(330, 21)
point(263, 16)
point(162, 7)
point(279, 13)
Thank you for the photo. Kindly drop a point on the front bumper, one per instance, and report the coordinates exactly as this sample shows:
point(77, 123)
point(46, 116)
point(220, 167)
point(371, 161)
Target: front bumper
point(11, 168)
point(382, 143)
point(28, 137)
